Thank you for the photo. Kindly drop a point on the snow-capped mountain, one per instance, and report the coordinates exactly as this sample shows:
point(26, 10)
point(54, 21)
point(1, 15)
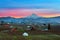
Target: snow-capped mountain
point(31, 19)
point(34, 16)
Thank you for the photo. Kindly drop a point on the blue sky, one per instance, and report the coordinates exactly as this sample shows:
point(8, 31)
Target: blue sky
point(22, 8)
point(50, 4)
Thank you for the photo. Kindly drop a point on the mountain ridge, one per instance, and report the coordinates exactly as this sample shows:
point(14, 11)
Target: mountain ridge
point(32, 16)
point(31, 19)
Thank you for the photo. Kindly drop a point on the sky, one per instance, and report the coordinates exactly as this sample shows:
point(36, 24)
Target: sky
point(23, 8)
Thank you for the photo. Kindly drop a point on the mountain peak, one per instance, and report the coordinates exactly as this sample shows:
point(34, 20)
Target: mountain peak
point(34, 16)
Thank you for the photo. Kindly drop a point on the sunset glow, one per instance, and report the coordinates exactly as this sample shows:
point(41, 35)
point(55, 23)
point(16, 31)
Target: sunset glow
point(20, 13)
point(23, 8)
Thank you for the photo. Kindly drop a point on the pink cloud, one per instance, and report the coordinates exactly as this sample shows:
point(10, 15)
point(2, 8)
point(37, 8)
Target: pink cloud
point(27, 12)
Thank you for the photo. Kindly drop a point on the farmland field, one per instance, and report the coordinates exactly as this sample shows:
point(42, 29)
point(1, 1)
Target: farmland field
point(52, 34)
point(33, 34)
point(43, 36)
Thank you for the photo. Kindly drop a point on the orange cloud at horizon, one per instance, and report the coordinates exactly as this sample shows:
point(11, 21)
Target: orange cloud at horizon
point(49, 15)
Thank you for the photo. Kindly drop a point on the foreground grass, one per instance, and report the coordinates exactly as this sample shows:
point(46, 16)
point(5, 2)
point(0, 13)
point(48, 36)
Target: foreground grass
point(5, 36)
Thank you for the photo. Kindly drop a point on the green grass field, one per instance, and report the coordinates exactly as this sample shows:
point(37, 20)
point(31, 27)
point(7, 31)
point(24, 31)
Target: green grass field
point(33, 35)
point(5, 36)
